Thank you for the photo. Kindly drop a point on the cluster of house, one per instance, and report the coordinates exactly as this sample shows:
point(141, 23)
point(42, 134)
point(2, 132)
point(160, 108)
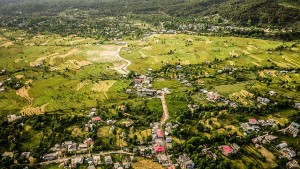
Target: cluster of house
point(2, 89)
point(211, 96)
point(68, 147)
point(94, 119)
point(229, 149)
point(159, 144)
point(13, 117)
point(97, 160)
point(254, 125)
point(143, 85)
point(183, 81)
point(267, 138)
point(293, 129)
point(227, 69)
point(289, 154)
point(184, 162)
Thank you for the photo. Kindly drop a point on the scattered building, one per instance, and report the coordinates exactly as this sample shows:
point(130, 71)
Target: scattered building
point(272, 93)
point(25, 155)
point(185, 162)
point(288, 153)
point(264, 139)
point(281, 146)
point(211, 96)
point(83, 147)
point(293, 129)
point(229, 149)
point(13, 117)
point(108, 160)
point(97, 160)
point(8, 154)
point(76, 161)
point(209, 153)
point(293, 164)
point(264, 101)
point(72, 148)
point(51, 156)
point(297, 106)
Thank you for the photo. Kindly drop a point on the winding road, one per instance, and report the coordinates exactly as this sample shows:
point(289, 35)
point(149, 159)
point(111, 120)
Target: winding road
point(123, 69)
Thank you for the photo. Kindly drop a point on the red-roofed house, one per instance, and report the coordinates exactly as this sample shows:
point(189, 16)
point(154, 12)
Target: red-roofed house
point(159, 149)
point(96, 119)
point(226, 150)
point(253, 121)
point(138, 80)
point(160, 134)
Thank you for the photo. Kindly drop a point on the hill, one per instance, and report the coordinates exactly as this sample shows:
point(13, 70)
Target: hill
point(279, 13)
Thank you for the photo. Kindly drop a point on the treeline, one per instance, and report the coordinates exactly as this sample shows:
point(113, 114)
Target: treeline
point(278, 13)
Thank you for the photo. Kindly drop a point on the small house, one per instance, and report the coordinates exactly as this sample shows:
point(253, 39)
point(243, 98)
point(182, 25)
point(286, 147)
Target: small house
point(108, 160)
point(272, 93)
point(83, 147)
point(72, 148)
point(281, 146)
point(97, 159)
point(169, 139)
point(51, 156)
point(263, 101)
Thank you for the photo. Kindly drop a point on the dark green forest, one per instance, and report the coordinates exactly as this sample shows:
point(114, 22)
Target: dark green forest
point(278, 13)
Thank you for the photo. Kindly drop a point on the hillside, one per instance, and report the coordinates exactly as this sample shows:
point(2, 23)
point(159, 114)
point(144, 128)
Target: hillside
point(281, 13)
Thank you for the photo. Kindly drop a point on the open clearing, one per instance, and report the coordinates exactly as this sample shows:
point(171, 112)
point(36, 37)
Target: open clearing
point(143, 163)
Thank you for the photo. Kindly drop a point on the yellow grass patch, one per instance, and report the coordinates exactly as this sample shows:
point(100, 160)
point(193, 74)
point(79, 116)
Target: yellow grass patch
point(103, 86)
point(269, 156)
point(244, 97)
point(19, 76)
point(29, 111)
point(143, 163)
point(81, 85)
point(71, 52)
point(6, 44)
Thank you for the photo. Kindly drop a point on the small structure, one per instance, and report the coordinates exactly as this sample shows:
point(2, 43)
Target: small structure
point(8, 154)
point(211, 96)
point(253, 121)
point(160, 134)
point(272, 93)
point(126, 165)
point(297, 106)
point(281, 146)
point(159, 149)
point(264, 101)
point(229, 149)
point(76, 161)
point(25, 155)
point(13, 117)
point(83, 147)
point(108, 160)
point(2, 89)
point(169, 139)
point(162, 158)
point(51, 156)
point(129, 91)
point(72, 148)
point(209, 153)
point(97, 160)
point(96, 119)
point(293, 164)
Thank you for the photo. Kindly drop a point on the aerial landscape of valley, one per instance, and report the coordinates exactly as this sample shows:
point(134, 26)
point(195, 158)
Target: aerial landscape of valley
point(150, 84)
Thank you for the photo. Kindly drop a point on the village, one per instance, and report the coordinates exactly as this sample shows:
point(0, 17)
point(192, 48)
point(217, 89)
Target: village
point(73, 154)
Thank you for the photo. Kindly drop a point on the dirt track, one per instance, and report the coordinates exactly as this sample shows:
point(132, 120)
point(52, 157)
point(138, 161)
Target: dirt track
point(166, 115)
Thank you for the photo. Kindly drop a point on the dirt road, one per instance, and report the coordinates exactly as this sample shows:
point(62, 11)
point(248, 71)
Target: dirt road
point(122, 68)
point(166, 115)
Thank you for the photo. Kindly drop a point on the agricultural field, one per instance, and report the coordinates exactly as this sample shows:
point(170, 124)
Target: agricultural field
point(53, 82)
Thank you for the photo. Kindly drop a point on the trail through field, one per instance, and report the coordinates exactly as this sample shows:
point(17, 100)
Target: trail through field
point(122, 68)
point(166, 115)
